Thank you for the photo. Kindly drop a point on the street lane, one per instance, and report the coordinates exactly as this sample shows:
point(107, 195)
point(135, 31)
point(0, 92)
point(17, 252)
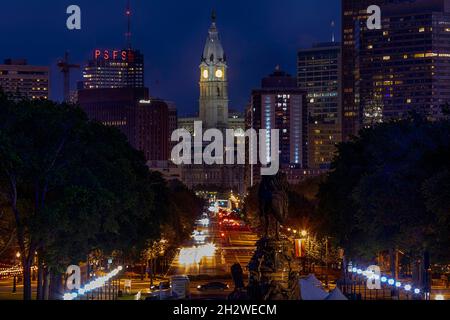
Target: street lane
point(233, 245)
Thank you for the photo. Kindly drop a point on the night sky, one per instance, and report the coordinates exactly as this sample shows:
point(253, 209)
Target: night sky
point(256, 35)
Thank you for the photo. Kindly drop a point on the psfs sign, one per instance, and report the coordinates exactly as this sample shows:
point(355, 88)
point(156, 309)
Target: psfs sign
point(115, 55)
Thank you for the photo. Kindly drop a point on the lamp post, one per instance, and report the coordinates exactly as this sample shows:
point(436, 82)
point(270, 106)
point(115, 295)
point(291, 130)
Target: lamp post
point(14, 289)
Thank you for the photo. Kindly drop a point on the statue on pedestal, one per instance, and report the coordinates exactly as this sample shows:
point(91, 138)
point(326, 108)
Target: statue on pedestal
point(273, 203)
point(273, 255)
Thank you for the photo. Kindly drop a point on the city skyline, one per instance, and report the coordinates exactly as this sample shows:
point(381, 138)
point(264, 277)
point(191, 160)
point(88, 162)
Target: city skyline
point(169, 74)
point(253, 151)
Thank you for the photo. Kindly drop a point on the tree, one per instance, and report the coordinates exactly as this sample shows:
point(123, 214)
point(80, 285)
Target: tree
point(7, 231)
point(72, 186)
point(381, 193)
point(302, 204)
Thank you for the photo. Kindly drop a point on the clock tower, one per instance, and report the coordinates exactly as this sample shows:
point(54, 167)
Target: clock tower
point(213, 82)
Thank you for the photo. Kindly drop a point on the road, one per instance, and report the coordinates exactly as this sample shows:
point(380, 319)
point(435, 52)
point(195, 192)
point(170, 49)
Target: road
point(6, 286)
point(203, 264)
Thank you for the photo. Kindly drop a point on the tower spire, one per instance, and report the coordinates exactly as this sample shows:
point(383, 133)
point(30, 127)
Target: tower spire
point(213, 15)
point(128, 15)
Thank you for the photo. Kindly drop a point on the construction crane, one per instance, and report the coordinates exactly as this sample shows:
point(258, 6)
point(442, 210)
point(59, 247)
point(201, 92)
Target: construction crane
point(65, 67)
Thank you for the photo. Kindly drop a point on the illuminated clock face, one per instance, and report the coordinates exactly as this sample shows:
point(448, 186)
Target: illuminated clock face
point(205, 74)
point(219, 73)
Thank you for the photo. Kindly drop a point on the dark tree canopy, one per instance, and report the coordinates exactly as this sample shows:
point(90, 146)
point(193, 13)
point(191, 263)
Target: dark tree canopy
point(71, 186)
point(389, 189)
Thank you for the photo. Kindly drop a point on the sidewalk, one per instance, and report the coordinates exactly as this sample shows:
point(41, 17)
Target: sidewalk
point(6, 286)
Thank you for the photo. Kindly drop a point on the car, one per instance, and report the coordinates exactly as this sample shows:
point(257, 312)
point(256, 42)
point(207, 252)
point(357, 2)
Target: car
point(213, 286)
point(163, 285)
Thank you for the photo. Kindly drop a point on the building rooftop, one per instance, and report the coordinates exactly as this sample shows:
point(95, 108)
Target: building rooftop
point(279, 79)
point(15, 62)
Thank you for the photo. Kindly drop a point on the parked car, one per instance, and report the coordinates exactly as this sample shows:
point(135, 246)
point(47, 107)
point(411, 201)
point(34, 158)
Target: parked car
point(213, 286)
point(163, 285)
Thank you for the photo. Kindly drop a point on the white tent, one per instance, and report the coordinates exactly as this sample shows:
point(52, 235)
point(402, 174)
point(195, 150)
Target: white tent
point(310, 291)
point(314, 281)
point(336, 294)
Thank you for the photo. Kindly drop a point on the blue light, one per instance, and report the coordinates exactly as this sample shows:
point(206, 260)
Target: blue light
point(408, 287)
point(398, 284)
point(391, 282)
point(354, 270)
point(416, 291)
point(383, 279)
point(359, 271)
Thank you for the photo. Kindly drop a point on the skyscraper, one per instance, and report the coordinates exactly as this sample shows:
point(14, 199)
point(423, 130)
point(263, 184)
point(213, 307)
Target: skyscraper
point(213, 81)
point(280, 104)
point(144, 121)
point(23, 81)
point(405, 66)
point(114, 69)
point(319, 75)
point(353, 13)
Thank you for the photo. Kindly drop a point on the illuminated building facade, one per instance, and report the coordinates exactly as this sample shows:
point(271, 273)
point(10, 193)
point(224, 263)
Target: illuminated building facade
point(213, 84)
point(144, 121)
point(405, 66)
point(319, 76)
point(23, 81)
point(354, 12)
point(214, 114)
point(236, 121)
point(280, 104)
point(114, 69)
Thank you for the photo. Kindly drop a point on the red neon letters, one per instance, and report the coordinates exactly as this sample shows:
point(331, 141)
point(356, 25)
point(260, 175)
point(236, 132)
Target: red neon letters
point(110, 54)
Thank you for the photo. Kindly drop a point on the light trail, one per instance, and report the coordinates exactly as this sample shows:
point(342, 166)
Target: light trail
point(194, 255)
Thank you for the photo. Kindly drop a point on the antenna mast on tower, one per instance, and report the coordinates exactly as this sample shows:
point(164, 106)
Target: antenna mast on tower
point(128, 15)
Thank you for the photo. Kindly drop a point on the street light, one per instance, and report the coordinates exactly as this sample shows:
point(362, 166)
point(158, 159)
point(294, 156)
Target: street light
point(304, 233)
point(14, 289)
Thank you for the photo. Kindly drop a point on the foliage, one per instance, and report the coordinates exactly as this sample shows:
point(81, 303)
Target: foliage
point(302, 204)
point(72, 186)
point(389, 189)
